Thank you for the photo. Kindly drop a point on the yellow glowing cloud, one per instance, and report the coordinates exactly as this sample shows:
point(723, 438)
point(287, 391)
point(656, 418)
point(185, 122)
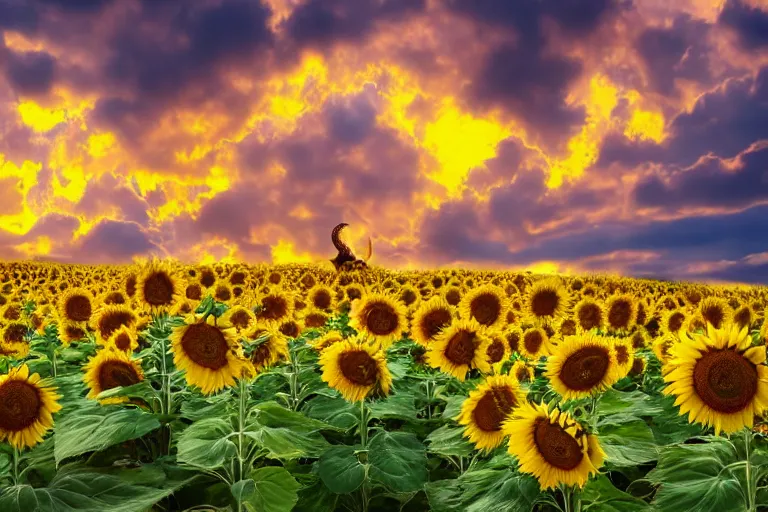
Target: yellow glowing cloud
point(40, 247)
point(283, 252)
point(643, 124)
point(38, 118)
point(99, 144)
point(20, 223)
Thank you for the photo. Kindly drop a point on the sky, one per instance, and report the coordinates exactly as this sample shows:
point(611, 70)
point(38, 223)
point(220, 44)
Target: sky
point(569, 136)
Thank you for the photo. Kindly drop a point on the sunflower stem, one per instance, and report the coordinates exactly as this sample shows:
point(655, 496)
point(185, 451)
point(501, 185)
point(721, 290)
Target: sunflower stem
point(16, 478)
point(363, 425)
point(751, 498)
point(241, 427)
point(53, 363)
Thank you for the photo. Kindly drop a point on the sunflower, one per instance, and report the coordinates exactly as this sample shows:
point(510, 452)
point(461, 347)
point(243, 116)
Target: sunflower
point(207, 277)
point(719, 379)
point(488, 304)
point(109, 369)
point(326, 340)
point(639, 338)
point(625, 355)
point(314, 319)
point(715, 311)
point(452, 294)
point(193, 291)
point(535, 343)
point(321, 297)
point(291, 328)
point(638, 366)
point(14, 336)
point(76, 306)
point(109, 319)
point(27, 405)
point(208, 352)
point(552, 446)
point(222, 291)
point(379, 317)
point(581, 366)
point(123, 339)
point(69, 332)
point(589, 314)
point(546, 300)
point(459, 348)
point(694, 323)
point(513, 335)
point(485, 409)
point(429, 319)
point(129, 285)
point(672, 321)
point(158, 288)
point(522, 371)
point(272, 348)
point(354, 291)
point(409, 296)
point(498, 351)
point(620, 313)
point(113, 297)
point(744, 316)
point(276, 306)
point(240, 317)
point(663, 346)
point(354, 368)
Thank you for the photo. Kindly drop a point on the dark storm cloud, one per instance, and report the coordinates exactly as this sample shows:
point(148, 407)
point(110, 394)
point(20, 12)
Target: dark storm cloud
point(107, 192)
point(77, 6)
point(679, 51)
point(30, 72)
point(750, 23)
point(113, 241)
point(322, 22)
point(709, 185)
point(18, 15)
point(351, 120)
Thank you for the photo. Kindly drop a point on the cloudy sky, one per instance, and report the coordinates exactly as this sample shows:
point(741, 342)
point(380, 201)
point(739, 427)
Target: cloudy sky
point(555, 135)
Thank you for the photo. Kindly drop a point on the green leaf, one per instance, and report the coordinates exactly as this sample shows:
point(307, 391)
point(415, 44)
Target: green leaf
point(288, 444)
point(696, 477)
point(636, 403)
point(317, 498)
point(398, 460)
point(272, 414)
point(335, 411)
point(484, 490)
point(270, 489)
point(98, 428)
point(628, 443)
point(449, 441)
point(198, 408)
point(205, 444)
point(90, 491)
point(340, 470)
point(599, 495)
point(397, 406)
point(453, 406)
point(670, 427)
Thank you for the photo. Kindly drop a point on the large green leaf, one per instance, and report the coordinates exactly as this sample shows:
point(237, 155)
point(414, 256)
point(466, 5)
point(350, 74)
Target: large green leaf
point(335, 411)
point(288, 444)
point(272, 414)
point(599, 495)
point(636, 403)
point(90, 491)
point(453, 406)
point(484, 490)
point(205, 444)
point(670, 427)
point(340, 469)
point(98, 428)
point(317, 498)
point(627, 443)
point(197, 408)
point(270, 489)
point(697, 477)
point(398, 461)
point(397, 406)
point(449, 441)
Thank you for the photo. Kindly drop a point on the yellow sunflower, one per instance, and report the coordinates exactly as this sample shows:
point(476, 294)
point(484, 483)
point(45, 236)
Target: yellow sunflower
point(208, 353)
point(638, 366)
point(314, 319)
point(745, 316)
point(486, 304)
point(157, 287)
point(69, 332)
point(109, 319)
point(522, 371)
point(546, 300)
point(486, 408)
point(429, 319)
point(124, 339)
point(672, 320)
point(354, 368)
point(719, 379)
point(276, 306)
point(273, 347)
point(582, 365)
point(497, 352)
point(27, 405)
point(625, 355)
point(715, 311)
point(14, 337)
point(409, 297)
point(620, 313)
point(552, 446)
point(589, 314)
point(326, 340)
point(291, 328)
point(379, 318)
point(535, 343)
point(109, 369)
point(321, 297)
point(459, 348)
point(240, 317)
point(513, 334)
point(76, 306)
point(662, 347)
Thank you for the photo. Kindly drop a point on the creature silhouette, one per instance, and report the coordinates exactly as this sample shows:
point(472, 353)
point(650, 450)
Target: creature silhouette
point(346, 260)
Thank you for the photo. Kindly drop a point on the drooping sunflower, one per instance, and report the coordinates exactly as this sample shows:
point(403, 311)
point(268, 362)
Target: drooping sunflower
point(76, 306)
point(522, 371)
point(546, 300)
point(158, 287)
point(124, 339)
point(639, 339)
point(589, 314)
point(535, 343)
point(695, 323)
point(513, 335)
point(620, 313)
point(582, 365)
point(27, 406)
point(314, 319)
point(715, 311)
point(662, 347)
point(326, 340)
point(409, 296)
point(429, 319)
point(208, 353)
point(379, 317)
point(485, 409)
point(718, 378)
point(273, 347)
point(291, 328)
point(459, 348)
point(638, 366)
point(487, 304)
point(14, 338)
point(354, 368)
point(744, 316)
point(69, 332)
point(552, 446)
point(108, 319)
point(109, 369)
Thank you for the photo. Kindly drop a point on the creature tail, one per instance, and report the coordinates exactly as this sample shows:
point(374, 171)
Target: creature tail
point(369, 253)
point(336, 239)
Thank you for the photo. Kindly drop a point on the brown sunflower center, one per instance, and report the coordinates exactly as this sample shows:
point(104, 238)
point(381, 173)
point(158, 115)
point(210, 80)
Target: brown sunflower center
point(15, 333)
point(20, 405)
point(713, 315)
point(322, 299)
point(354, 293)
point(261, 354)
point(275, 307)
point(315, 320)
point(78, 308)
point(485, 308)
point(638, 365)
point(556, 446)
point(725, 380)
point(240, 319)
point(359, 367)
point(544, 303)
point(532, 341)
point(205, 345)
point(568, 327)
point(513, 340)
point(493, 408)
point(130, 286)
point(237, 277)
point(158, 289)
point(381, 319)
point(194, 291)
point(460, 349)
point(408, 297)
point(589, 316)
point(114, 298)
point(113, 320)
point(622, 354)
point(585, 368)
point(495, 351)
point(74, 333)
point(290, 329)
point(433, 322)
point(453, 297)
point(620, 314)
point(117, 373)
point(223, 294)
point(522, 374)
point(207, 278)
point(123, 341)
point(675, 321)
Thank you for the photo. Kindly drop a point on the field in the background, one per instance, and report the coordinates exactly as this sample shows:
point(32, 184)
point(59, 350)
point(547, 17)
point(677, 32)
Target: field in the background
point(162, 386)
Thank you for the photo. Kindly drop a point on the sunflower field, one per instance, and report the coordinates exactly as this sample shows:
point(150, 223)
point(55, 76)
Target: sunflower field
point(162, 386)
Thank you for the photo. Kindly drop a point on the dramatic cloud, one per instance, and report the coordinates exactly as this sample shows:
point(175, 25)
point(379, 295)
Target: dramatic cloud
point(569, 135)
